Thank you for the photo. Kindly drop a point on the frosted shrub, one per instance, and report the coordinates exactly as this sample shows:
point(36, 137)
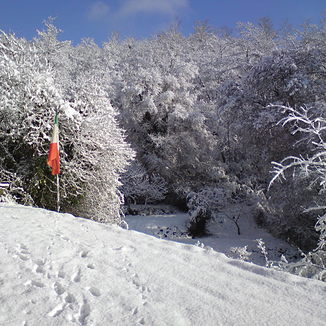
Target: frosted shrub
point(321, 228)
point(5, 197)
point(314, 167)
point(92, 146)
point(312, 265)
point(28, 100)
point(212, 198)
point(138, 187)
point(202, 206)
point(100, 155)
point(240, 253)
point(262, 247)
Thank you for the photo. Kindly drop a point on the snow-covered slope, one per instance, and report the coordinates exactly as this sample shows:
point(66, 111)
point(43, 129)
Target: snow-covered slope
point(60, 270)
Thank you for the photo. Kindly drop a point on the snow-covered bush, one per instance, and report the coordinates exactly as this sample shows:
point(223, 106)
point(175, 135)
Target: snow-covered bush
point(93, 150)
point(138, 187)
point(29, 100)
point(5, 196)
point(311, 167)
point(98, 158)
point(195, 110)
point(159, 108)
point(321, 228)
point(240, 253)
point(212, 198)
point(204, 205)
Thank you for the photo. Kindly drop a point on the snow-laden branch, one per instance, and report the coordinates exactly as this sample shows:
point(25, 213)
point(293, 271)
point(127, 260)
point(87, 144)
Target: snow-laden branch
point(304, 122)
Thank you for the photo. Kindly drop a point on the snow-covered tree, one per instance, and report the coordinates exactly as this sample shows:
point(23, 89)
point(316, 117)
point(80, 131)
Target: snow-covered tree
point(166, 122)
point(93, 150)
point(29, 99)
point(313, 168)
point(138, 187)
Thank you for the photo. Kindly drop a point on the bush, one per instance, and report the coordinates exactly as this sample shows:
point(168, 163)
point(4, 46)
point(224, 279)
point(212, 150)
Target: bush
point(92, 146)
point(313, 167)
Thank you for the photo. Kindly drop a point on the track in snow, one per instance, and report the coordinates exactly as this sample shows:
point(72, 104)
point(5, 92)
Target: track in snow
point(59, 270)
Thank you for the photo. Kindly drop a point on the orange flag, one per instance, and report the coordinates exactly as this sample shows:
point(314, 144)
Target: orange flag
point(54, 156)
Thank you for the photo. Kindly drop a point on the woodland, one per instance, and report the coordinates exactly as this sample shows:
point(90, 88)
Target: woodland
point(195, 121)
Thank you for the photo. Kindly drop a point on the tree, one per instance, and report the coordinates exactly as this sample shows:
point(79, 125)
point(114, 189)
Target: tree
point(29, 99)
point(93, 150)
point(313, 167)
point(138, 187)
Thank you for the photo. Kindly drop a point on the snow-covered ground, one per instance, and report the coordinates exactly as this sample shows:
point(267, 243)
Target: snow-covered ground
point(57, 269)
point(222, 233)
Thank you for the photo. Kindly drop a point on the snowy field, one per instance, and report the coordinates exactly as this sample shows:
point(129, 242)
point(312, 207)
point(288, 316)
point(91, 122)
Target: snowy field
point(57, 269)
point(222, 233)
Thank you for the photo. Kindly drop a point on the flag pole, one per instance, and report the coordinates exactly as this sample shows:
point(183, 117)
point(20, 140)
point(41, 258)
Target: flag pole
point(58, 193)
point(58, 179)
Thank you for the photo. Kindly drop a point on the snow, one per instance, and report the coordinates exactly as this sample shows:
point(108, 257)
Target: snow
point(222, 233)
point(69, 111)
point(57, 269)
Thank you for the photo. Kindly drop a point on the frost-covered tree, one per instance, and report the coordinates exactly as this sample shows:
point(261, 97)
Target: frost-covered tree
point(167, 123)
point(195, 109)
point(190, 104)
point(29, 99)
point(313, 168)
point(97, 155)
point(93, 150)
point(281, 72)
point(292, 76)
point(138, 187)
point(203, 205)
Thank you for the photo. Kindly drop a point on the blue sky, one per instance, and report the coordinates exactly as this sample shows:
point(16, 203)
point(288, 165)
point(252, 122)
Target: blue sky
point(143, 18)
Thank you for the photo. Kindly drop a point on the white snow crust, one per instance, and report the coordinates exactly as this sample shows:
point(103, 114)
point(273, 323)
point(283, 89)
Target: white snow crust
point(57, 269)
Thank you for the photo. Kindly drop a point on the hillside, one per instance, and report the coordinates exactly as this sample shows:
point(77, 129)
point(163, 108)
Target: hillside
point(57, 269)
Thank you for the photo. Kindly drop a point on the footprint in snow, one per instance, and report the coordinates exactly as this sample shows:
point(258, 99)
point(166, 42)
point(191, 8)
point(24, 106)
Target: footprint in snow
point(22, 246)
point(38, 269)
point(69, 298)
point(84, 312)
point(22, 252)
point(33, 283)
point(83, 254)
point(61, 273)
point(76, 276)
point(91, 266)
point(58, 288)
point(39, 262)
point(56, 311)
point(94, 291)
point(23, 257)
point(39, 266)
